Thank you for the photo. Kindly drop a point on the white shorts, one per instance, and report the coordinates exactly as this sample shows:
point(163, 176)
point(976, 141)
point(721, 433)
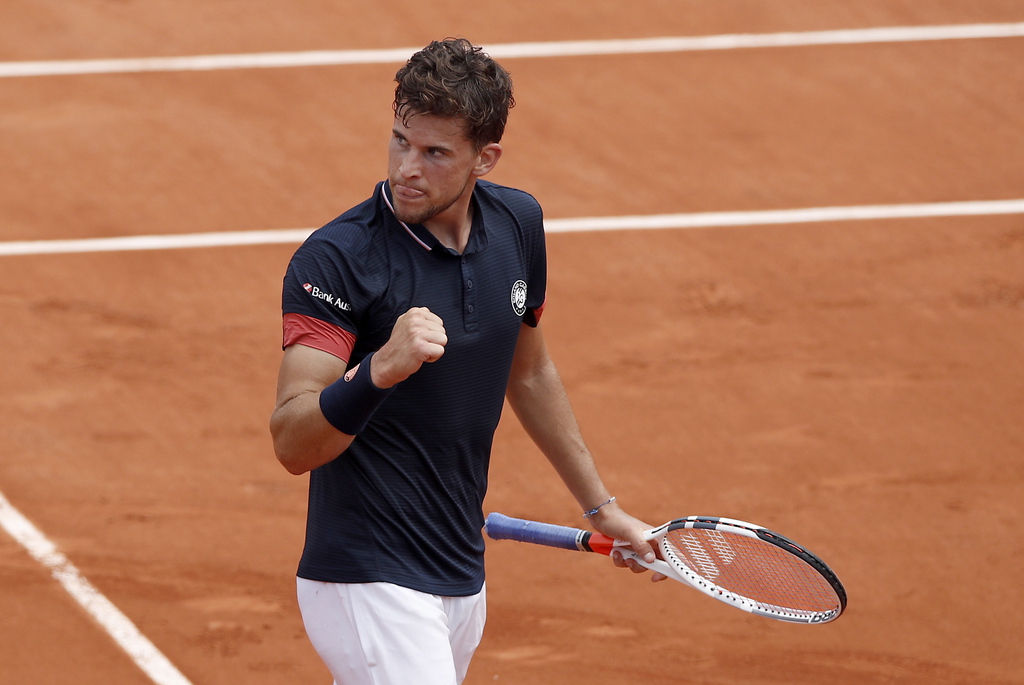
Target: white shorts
point(384, 634)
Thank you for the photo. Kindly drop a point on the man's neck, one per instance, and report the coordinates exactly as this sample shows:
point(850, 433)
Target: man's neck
point(453, 226)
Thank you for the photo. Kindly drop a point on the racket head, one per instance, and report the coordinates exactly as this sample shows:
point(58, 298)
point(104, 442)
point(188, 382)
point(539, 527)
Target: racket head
point(751, 568)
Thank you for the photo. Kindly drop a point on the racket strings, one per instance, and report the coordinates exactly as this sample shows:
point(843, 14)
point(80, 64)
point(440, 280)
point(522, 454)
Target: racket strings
point(752, 568)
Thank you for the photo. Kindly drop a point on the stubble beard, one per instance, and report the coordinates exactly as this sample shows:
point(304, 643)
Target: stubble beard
point(427, 213)
point(422, 216)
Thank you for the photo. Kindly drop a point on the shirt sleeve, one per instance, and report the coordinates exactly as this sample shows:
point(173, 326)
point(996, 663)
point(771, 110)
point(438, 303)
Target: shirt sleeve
point(299, 329)
point(324, 290)
point(537, 266)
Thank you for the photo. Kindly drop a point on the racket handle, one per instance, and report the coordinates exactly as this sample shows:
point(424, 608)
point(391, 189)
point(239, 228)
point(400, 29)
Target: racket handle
point(501, 527)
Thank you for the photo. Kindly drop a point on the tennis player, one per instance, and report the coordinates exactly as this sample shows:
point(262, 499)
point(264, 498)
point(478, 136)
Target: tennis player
point(407, 320)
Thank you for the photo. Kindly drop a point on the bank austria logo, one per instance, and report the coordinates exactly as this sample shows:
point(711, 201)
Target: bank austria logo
point(326, 297)
point(519, 297)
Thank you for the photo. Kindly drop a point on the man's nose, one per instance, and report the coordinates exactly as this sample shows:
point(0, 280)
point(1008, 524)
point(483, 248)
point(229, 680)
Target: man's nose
point(410, 166)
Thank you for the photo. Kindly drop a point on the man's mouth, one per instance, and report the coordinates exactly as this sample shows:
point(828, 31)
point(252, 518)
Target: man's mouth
point(407, 193)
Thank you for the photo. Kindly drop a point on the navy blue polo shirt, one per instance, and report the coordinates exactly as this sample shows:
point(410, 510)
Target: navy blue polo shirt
point(403, 504)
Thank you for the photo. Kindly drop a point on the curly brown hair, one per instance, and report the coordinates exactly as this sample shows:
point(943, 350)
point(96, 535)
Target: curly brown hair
point(453, 78)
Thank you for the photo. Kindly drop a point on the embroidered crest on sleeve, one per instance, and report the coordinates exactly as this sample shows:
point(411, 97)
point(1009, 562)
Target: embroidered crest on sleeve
point(519, 297)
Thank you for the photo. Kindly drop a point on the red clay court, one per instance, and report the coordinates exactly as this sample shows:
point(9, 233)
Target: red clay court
point(857, 385)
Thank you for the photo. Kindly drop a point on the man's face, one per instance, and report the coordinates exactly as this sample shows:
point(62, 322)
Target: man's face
point(431, 164)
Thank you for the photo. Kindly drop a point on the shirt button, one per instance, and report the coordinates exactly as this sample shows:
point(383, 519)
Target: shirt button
point(469, 284)
point(469, 309)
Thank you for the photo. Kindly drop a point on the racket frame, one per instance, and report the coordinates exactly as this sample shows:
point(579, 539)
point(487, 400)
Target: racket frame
point(670, 565)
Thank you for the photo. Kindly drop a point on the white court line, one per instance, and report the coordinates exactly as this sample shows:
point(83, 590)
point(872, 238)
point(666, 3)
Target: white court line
point(155, 242)
point(784, 216)
point(124, 632)
point(610, 223)
point(893, 34)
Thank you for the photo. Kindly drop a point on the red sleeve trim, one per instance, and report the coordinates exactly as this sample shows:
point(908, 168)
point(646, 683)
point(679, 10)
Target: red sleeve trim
point(300, 329)
point(532, 317)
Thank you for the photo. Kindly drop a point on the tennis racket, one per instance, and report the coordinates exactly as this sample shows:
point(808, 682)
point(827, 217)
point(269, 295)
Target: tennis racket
point(745, 566)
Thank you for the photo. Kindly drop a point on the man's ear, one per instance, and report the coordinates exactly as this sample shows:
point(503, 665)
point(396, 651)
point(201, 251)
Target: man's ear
point(487, 159)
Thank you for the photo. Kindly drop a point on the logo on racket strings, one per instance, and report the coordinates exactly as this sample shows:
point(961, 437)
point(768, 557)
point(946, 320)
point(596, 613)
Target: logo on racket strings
point(702, 557)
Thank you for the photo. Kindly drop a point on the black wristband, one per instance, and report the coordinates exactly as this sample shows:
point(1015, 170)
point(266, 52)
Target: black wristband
point(349, 402)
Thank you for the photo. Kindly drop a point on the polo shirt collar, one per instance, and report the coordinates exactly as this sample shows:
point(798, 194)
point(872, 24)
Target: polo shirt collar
point(427, 240)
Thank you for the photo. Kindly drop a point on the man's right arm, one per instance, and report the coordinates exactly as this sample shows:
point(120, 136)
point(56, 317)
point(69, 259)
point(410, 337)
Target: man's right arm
point(303, 439)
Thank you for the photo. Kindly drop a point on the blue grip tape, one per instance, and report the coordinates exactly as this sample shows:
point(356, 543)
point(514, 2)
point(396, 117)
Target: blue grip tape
point(501, 527)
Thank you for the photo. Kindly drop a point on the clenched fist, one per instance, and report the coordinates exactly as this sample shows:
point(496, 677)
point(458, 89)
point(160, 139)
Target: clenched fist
point(417, 338)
